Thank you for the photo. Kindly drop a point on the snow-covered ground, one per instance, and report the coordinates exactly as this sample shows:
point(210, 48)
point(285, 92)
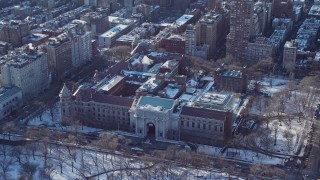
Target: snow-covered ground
point(46, 117)
point(274, 84)
point(65, 164)
point(251, 156)
point(54, 122)
point(239, 154)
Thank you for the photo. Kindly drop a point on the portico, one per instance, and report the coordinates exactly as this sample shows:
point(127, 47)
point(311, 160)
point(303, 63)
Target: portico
point(154, 117)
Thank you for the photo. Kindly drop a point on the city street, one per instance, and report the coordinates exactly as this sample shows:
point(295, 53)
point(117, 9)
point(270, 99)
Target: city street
point(313, 160)
point(50, 96)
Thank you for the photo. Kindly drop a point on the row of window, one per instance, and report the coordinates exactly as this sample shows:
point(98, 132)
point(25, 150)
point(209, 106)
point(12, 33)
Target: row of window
point(203, 126)
point(15, 99)
point(104, 112)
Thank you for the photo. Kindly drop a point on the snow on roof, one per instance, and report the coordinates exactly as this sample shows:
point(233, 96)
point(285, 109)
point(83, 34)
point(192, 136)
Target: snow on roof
point(184, 19)
point(214, 98)
point(111, 83)
point(172, 90)
point(155, 103)
point(114, 31)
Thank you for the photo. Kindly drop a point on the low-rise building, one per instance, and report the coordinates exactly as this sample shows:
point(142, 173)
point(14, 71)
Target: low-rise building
point(261, 49)
point(108, 38)
point(10, 100)
point(174, 44)
point(231, 80)
point(95, 109)
point(208, 121)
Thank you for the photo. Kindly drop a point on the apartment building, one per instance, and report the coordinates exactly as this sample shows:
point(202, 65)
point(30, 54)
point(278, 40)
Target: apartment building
point(27, 69)
point(241, 28)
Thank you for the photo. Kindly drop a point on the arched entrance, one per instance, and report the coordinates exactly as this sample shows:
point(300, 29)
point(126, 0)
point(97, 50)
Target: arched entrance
point(151, 130)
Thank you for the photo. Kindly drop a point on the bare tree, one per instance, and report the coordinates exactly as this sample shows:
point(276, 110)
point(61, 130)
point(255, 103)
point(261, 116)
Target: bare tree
point(310, 88)
point(184, 156)
point(28, 170)
point(44, 152)
point(266, 140)
point(47, 172)
point(16, 152)
point(72, 155)
point(60, 158)
point(120, 52)
point(275, 128)
point(289, 138)
point(5, 150)
point(5, 166)
point(9, 128)
point(230, 170)
point(281, 99)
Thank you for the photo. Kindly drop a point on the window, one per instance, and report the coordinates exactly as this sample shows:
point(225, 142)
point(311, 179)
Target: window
point(204, 126)
point(198, 125)
point(215, 128)
point(221, 128)
point(160, 134)
point(187, 123)
point(182, 123)
point(193, 124)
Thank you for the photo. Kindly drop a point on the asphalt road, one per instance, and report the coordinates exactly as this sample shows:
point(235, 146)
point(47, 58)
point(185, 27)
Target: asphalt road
point(313, 161)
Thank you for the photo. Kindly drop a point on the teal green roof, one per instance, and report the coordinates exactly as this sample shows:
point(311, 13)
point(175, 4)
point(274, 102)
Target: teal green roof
point(156, 101)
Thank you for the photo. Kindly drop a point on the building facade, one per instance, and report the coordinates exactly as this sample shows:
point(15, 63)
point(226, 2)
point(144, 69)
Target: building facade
point(241, 28)
point(95, 109)
point(13, 31)
point(156, 117)
point(81, 46)
point(231, 80)
point(59, 56)
point(27, 70)
point(289, 56)
point(208, 31)
point(10, 100)
point(191, 40)
point(200, 125)
point(261, 49)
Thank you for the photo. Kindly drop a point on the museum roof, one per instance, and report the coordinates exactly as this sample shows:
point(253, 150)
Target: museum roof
point(156, 102)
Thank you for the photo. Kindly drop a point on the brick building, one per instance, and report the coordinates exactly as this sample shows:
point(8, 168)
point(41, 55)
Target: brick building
point(13, 31)
point(174, 44)
point(231, 80)
point(95, 109)
point(199, 125)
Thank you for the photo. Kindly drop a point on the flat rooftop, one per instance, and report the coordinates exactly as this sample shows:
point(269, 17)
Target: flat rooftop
point(8, 92)
point(114, 31)
point(214, 98)
point(184, 19)
point(314, 11)
point(106, 85)
point(232, 73)
point(155, 103)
